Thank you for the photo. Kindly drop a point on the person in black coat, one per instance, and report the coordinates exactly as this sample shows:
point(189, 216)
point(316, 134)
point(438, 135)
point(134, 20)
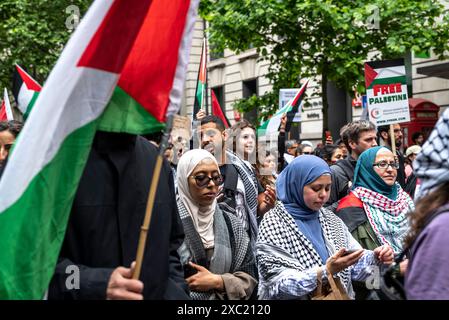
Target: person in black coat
point(104, 225)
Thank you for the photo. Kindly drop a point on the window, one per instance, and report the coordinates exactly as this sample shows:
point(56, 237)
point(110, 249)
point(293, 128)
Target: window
point(214, 55)
point(249, 88)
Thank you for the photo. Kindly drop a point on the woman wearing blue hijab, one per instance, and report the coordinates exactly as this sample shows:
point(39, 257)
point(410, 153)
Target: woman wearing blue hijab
point(299, 239)
point(376, 209)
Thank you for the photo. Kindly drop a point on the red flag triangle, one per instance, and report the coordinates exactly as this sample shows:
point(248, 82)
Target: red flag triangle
point(217, 111)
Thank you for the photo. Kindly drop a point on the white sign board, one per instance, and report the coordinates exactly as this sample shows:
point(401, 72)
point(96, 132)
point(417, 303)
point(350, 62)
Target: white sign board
point(386, 91)
point(285, 95)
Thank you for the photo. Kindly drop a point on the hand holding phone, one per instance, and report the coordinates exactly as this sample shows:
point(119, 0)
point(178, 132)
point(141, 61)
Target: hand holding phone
point(329, 139)
point(347, 252)
point(189, 270)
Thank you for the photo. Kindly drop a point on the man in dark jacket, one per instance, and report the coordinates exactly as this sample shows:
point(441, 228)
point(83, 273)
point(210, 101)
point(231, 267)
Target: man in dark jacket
point(104, 226)
point(358, 136)
point(241, 191)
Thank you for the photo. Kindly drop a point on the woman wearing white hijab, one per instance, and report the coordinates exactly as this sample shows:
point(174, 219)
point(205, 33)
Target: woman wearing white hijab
point(216, 256)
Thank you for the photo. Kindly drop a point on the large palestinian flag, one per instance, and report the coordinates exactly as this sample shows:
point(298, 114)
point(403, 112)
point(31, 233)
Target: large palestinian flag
point(5, 109)
point(122, 70)
point(25, 90)
point(271, 125)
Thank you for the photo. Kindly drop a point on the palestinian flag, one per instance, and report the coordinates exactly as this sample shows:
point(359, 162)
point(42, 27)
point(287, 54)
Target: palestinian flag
point(217, 111)
point(25, 90)
point(122, 70)
point(271, 125)
point(201, 84)
point(5, 109)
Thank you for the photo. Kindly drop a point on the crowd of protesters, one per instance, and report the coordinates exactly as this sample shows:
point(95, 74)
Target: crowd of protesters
point(253, 221)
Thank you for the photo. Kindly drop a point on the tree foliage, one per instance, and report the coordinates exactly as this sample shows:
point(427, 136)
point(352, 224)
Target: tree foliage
point(325, 38)
point(33, 34)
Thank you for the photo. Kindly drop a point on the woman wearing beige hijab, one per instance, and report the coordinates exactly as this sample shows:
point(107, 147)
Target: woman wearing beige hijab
point(216, 256)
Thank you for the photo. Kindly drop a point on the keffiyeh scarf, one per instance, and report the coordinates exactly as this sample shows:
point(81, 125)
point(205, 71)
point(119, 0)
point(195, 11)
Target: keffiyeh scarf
point(231, 247)
point(281, 246)
point(387, 217)
point(250, 183)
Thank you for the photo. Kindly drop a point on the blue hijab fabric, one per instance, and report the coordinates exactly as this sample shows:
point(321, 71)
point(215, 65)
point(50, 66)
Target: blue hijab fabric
point(290, 184)
point(366, 177)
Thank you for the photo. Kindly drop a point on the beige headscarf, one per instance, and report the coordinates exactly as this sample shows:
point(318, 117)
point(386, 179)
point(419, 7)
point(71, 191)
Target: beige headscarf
point(203, 217)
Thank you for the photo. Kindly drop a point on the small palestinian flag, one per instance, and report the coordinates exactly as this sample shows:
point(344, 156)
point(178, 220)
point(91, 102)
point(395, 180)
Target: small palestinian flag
point(5, 109)
point(291, 108)
point(200, 92)
point(25, 90)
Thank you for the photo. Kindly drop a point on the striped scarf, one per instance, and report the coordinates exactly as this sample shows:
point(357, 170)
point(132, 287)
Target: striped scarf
point(249, 180)
point(387, 217)
point(231, 248)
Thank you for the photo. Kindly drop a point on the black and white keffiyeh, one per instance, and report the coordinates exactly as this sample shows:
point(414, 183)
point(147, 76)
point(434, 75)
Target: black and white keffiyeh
point(431, 166)
point(281, 246)
point(232, 252)
point(250, 183)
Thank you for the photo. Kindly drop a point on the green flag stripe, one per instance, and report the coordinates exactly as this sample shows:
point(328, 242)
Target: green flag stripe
point(31, 104)
point(287, 108)
point(199, 93)
point(29, 227)
point(133, 117)
point(399, 79)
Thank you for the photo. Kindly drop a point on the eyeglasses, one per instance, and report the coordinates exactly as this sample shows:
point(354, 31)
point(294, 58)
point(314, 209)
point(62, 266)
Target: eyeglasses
point(203, 180)
point(385, 164)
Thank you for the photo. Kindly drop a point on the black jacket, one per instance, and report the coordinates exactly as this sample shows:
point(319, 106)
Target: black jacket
point(342, 174)
point(107, 213)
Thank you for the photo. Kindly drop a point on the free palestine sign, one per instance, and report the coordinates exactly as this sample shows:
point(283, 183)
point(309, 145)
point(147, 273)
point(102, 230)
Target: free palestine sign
point(386, 91)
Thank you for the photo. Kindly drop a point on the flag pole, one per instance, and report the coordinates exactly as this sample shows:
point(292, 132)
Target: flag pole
point(393, 141)
point(151, 197)
point(205, 65)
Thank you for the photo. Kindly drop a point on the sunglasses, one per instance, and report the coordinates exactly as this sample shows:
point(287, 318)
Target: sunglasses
point(307, 152)
point(202, 180)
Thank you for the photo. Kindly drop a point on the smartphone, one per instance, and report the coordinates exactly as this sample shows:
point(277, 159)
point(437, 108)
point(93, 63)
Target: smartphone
point(327, 133)
point(189, 271)
point(349, 252)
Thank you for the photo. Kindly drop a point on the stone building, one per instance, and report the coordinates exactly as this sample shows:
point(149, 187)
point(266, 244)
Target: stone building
point(234, 76)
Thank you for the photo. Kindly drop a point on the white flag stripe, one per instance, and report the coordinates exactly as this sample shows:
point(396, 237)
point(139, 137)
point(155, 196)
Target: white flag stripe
point(24, 98)
point(8, 109)
point(390, 72)
point(183, 60)
point(70, 99)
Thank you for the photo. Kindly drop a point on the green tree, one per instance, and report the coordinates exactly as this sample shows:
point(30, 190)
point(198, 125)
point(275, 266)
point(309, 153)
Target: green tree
point(33, 34)
point(329, 39)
